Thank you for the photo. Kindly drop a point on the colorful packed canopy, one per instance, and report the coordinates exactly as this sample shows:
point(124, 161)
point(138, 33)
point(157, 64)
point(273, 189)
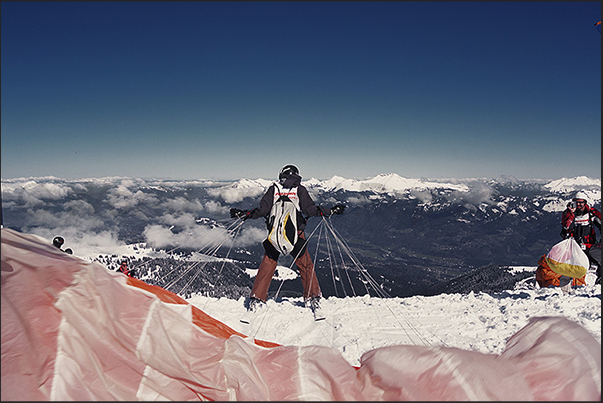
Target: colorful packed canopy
point(74, 330)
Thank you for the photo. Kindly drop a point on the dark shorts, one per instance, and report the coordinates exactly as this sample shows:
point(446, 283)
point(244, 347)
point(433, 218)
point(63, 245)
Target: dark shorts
point(298, 250)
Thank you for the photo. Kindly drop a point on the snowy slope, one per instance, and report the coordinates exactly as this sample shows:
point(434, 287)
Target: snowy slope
point(479, 322)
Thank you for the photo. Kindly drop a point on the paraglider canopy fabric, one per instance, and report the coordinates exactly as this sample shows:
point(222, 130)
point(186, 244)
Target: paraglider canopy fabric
point(74, 330)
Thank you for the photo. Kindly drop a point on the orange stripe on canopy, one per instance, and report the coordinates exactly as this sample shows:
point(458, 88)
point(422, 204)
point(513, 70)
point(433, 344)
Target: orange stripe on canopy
point(200, 318)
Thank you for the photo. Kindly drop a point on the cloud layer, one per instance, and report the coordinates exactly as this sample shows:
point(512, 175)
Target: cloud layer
point(99, 216)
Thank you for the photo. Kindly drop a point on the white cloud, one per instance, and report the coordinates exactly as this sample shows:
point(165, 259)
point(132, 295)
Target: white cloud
point(33, 193)
point(157, 235)
point(65, 219)
point(240, 190)
point(84, 242)
point(180, 204)
point(215, 207)
point(50, 191)
point(80, 207)
point(121, 197)
point(423, 196)
point(478, 193)
point(199, 237)
point(250, 236)
point(185, 220)
point(358, 200)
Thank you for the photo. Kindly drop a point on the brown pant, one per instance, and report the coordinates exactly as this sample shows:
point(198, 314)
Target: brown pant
point(266, 271)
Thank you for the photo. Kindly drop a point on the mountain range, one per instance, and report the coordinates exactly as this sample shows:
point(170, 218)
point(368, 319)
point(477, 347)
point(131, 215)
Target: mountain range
point(412, 236)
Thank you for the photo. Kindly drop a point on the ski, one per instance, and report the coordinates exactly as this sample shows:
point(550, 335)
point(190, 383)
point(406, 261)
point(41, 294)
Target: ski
point(318, 314)
point(247, 317)
point(314, 305)
point(254, 306)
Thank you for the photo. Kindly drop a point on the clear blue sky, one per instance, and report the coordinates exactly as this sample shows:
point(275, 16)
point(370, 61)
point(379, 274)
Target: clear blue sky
point(228, 90)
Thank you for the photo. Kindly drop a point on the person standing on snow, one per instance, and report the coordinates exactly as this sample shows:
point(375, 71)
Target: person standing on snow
point(288, 188)
point(579, 221)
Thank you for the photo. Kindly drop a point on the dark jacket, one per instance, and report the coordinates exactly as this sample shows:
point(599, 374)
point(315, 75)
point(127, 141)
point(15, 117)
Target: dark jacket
point(306, 204)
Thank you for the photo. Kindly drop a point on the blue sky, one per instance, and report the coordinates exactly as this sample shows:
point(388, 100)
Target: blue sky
point(228, 90)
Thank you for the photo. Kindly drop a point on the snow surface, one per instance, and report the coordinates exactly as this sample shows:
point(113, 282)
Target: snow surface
point(479, 322)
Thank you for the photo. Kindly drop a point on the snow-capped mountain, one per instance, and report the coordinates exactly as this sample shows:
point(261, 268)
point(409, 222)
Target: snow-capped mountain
point(573, 184)
point(410, 234)
point(385, 183)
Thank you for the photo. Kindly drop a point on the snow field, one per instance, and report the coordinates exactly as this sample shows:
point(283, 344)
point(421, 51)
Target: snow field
point(479, 322)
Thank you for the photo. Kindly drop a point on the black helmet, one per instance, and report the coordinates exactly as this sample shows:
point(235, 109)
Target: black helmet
point(58, 241)
point(287, 171)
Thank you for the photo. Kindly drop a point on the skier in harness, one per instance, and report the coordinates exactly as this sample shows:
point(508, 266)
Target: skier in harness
point(579, 221)
point(284, 205)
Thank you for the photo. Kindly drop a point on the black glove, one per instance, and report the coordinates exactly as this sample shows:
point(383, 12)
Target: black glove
point(337, 209)
point(237, 213)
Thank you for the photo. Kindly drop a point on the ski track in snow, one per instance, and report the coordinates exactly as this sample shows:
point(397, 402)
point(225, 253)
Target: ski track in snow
point(354, 325)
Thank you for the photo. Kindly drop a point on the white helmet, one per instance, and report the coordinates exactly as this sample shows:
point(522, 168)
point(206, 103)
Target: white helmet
point(580, 196)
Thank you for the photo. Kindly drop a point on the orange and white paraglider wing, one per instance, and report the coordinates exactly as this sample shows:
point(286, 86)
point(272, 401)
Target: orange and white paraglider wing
point(73, 330)
point(30, 323)
point(559, 359)
point(439, 373)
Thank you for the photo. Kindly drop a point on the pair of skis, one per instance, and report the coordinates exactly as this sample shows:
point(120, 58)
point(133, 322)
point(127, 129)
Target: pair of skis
point(250, 314)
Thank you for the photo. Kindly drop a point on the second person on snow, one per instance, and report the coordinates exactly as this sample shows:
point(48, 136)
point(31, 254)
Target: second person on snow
point(579, 221)
point(286, 205)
